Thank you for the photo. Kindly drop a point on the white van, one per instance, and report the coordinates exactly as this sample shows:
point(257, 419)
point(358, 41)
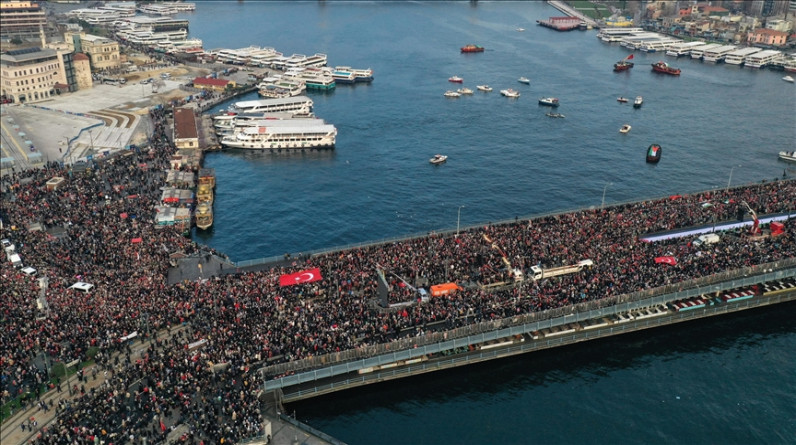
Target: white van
point(15, 260)
point(29, 271)
point(710, 238)
point(8, 246)
point(82, 287)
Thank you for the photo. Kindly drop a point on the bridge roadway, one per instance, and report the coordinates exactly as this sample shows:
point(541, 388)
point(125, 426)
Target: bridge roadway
point(527, 338)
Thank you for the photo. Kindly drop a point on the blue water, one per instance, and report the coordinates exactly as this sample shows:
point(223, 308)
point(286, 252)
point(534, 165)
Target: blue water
point(718, 124)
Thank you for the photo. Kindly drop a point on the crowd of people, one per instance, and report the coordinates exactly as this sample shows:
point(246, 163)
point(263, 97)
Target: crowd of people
point(225, 328)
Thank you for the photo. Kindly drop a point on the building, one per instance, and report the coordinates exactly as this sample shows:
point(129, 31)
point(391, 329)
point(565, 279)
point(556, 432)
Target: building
point(82, 71)
point(767, 37)
point(185, 133)
point(20, 19)
point(103, 53)
point(30, 75)
point(206, 83)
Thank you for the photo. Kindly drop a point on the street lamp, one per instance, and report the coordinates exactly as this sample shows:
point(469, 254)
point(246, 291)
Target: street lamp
point(730, 179)
point(602, 204)
point(458, 218)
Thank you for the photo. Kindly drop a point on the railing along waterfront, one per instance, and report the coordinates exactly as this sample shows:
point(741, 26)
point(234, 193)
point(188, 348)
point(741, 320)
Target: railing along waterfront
point(411, 347)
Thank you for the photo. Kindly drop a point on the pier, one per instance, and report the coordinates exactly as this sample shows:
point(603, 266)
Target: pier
point(572, 12)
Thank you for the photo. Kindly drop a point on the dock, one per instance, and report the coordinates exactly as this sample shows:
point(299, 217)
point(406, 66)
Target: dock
point(572, 12)
point(561, 23)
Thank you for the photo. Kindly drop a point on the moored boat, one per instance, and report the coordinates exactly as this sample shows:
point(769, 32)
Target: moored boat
point(524, 80)
point(788, 79)
point(624, 64)
point(549, 101)
point(204, 216)
point(621, 99)
point(654, 152)
point(472, 49)
point(485, 88)
point(359, 74)
point(438, 159)
point(788, 156)
point(625, 129)
point(455, 79)
point(663, 67)
point(451, 93)
point(638, 101)
point(508, 92)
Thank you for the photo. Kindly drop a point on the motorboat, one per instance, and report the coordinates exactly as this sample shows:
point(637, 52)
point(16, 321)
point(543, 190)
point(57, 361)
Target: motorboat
point(549, 101)
point(438, 159)
point(788, 156)
point(637, 103)
point(455, 79)
point(654, 152)
point(451, 93)
point(625, 129)
point(663, 67)
point(524, 80)
point(484, 88)
point(464, 90)
point(472, 49)
point(508, 92)
point(520, 29)
point(624, 64)
point(621, 99)
point(558, 115)
point(788, 79)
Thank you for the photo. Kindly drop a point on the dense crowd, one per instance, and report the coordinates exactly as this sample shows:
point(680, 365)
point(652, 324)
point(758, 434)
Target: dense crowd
point(227, 327)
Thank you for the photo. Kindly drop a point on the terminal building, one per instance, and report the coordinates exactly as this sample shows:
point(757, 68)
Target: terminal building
point(21, 19)
point(31, 75)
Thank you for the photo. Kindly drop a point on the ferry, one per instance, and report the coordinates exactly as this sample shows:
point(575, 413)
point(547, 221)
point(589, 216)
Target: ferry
point(296, 105)
point(299, 61)
point(699, 51)
point(738, 56)
point(287, 136)
point(659, 45)
point(763, 58)
point(718, 54)
point(229, 124)
point(683, 49)
point(472, 49)
point(549, 101)
point(313, 78)
point(663, 67)
point(277, 87)
point(510, 93)
point(616, 34)
point(638, 102)
point(204, 216)
point(343, 77)
point(654, 152)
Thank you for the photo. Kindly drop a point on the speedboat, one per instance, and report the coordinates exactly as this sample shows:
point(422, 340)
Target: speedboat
point(788, 156)
point(508, 92)
point(549, 101)
point(637, 103)
point(438, 159)
point(450, 93)
point(464, 90)
point(558, 115)
point(520, 29)
point(788, 79)
point(625, 128)
point(621, 99)
point(524, 80)
point(455, 79)
point(485, 88)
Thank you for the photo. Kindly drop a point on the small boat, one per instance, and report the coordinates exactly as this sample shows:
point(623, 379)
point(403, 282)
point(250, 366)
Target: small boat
point(451, 93)
point(455, 79)
point(625, 129)
point(472, 49)
point(204, 216)
point(520, 29)
point(637, 103)
point(654, 153)
point(621, 99)
point(557, 115)
point(663, 67)
point(788, 156)
point(508, 92)
point(484, 88)
point(524, 80)
point(549, 101)
point(438, 159)
point(788, 79)
point(464, 90)
point(624, 64)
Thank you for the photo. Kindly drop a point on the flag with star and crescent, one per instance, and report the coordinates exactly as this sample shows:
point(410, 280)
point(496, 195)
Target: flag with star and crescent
point(305, 276)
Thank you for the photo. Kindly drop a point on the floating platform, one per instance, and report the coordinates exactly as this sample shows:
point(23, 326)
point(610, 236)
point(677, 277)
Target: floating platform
point(561, 23)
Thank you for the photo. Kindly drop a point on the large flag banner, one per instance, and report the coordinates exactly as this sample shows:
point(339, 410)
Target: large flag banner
point(666, 260)
point(305, 276)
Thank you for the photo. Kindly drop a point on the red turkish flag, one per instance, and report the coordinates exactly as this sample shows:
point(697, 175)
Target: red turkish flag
point(630, 57)
point(666, 260)
point(305, 276)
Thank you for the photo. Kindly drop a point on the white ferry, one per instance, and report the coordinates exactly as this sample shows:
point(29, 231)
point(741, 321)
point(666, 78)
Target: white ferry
point(683, 49)
point(763, 58)
point(295, 105)
point(699, 52)
point(634, 41)
point(360, 75)
point(616, 34)
point(277, 137)
point(719, 54)
point(229, 125)
point(299, 61)
point(313, 78)
point(659, 45)
point(276, 87)
point(738, 56)
point(343, 77)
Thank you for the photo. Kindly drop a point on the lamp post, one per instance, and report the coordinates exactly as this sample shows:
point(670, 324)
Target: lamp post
point(730, 179)
point(458, 219)
point(602, 204)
